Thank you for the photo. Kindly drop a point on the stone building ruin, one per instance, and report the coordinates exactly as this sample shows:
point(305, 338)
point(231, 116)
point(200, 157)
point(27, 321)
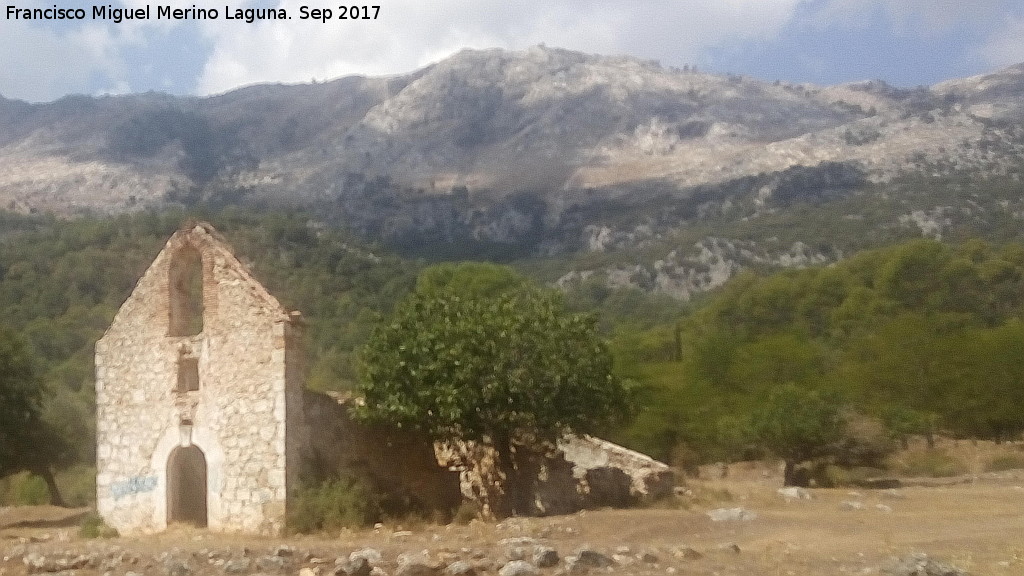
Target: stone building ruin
point(203, 417)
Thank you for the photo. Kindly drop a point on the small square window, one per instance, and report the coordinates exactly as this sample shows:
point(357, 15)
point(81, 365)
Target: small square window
point(188, 375)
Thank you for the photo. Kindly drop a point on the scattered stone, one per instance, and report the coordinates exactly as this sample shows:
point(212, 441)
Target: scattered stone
point(359, 566)
point(417, 569)
point(516, 553)
point(237, 566)
point(893, 494)
point(851, 505)
point(372, 556)
point(401, 534)
point(518, 568)
point(419, 564)
point(460, 568)
point(649, 558)
point(593, 559)
point(284, 551)
point(731, 514)
point(730, 547)
point(307, 571)
point(36, 562)
point(272, 564)
point(545, 557)
point(791, 493)
point(175, 567)
point(573, 566)
point(686, 553)
point(623, 559)
point(920, 565)
point(518, 541)
point(883, 508)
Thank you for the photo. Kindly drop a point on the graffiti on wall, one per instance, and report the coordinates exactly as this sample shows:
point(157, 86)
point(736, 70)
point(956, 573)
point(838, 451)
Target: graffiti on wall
point(134, 485)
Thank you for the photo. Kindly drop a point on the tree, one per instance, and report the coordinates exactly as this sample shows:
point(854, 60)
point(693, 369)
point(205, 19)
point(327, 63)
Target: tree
point(797, 425)
point(508, 368)
point(26, 443)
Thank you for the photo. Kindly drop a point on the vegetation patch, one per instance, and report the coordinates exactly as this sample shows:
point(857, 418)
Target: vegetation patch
point(1005, 462)
point(92, 526)
point(930, 463)
point(345, 502)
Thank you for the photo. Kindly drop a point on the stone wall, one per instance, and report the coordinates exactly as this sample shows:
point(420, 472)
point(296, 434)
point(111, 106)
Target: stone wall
point(579, 472)
point(401, 464)
point(248, 365)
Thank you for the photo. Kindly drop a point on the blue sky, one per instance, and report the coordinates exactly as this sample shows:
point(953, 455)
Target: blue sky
point(904, 42)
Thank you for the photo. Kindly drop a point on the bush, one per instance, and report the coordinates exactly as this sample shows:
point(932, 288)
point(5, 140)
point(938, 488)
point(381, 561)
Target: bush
point(466, 513)
point(833, 476)
point(346, 502)
point(24, 489)
point(1005, 462)
point(934, 463)
point(77, 485)
point(93, 526)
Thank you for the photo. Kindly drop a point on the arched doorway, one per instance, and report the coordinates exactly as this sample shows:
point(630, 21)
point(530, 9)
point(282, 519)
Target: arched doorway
point(186, 486)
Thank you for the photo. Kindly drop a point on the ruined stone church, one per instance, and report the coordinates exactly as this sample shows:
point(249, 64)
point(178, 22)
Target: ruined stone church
point(203, 417)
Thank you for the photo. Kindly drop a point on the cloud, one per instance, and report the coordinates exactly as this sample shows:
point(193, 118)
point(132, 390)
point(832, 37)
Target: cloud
point(45, 60)
point(43, 63)
point(413, 33)
point(910, 17)
point(1005, 46)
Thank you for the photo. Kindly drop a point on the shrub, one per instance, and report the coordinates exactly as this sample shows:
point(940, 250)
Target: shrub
point(78, 485)
point(93, 526)
point(1005, 462)
point(466, 513)
point(24, 489)
point(934, 463)
point(346, 502)
point(832, 476)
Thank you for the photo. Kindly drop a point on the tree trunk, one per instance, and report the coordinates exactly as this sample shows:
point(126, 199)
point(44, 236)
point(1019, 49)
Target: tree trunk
point(517, 498)
point(789, 473)
point(46, 474)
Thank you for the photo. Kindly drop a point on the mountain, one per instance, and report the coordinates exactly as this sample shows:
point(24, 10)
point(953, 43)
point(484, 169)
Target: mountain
point(684, 176)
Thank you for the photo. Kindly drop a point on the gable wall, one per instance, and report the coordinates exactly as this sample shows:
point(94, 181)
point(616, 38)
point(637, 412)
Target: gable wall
point(238, 416)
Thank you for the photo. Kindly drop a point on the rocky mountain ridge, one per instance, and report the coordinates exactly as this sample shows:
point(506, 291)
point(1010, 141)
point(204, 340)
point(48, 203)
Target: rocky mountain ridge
point(541, 152)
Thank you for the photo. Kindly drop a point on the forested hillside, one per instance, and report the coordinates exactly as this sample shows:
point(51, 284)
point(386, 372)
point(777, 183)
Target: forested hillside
point(923, 336)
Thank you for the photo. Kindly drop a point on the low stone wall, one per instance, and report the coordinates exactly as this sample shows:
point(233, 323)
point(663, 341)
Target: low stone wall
point(580, 472)
point(399, 463)
point(649, 479)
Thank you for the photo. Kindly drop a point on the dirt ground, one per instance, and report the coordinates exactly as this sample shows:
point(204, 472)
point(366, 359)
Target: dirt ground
point(974, 522)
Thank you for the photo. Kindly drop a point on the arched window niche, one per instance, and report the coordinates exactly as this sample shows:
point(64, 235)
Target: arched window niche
point(185, 301)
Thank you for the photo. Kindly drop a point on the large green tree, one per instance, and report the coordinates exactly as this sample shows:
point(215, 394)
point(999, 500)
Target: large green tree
point(26, 443)
point(505, 365)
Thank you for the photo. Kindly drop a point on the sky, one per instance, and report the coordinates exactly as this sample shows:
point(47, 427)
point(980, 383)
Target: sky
point(903, 42)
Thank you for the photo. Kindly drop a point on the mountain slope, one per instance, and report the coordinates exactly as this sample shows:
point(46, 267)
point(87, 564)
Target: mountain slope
point(544, 152)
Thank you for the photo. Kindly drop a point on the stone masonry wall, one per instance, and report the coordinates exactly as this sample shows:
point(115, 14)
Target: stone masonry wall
point(399, 463)
point(248, 370)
